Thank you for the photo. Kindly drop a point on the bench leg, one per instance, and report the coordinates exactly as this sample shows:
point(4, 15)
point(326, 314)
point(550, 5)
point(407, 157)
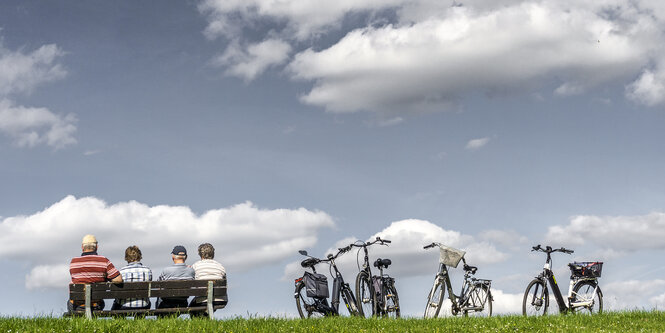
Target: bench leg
point(88, 301)
point(211, 300)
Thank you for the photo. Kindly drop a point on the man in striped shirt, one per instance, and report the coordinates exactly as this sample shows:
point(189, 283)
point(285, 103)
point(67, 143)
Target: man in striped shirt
point(90, 268)
point(207, 269)
point(135, 271)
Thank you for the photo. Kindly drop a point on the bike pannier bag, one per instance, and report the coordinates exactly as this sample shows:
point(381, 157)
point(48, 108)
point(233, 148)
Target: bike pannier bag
point(316, 285)
point(450, 256)
point(591, 269)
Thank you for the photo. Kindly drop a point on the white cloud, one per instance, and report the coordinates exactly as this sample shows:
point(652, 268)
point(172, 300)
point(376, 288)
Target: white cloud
point(648, 89)
point(439, 59)
point(21, 72)
point(425, 55)
point(616, 233)
point(476, 144)
point(29, 126)
point(406, 250)
point(249, 62)
point(243, 235)
point(634, 294)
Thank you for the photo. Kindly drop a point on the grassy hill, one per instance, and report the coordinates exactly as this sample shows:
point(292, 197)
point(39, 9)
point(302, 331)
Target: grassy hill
point(653, 321)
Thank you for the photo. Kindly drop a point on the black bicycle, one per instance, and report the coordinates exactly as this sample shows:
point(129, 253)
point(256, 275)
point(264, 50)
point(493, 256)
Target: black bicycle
point(377, 294)
point(584, 294)
point(312, 289)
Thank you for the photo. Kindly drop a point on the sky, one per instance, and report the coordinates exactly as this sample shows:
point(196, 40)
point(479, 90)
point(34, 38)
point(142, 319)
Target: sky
point(267, 127)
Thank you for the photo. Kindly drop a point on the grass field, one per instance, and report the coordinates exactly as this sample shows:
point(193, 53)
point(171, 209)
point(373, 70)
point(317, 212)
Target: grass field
point(611, 322)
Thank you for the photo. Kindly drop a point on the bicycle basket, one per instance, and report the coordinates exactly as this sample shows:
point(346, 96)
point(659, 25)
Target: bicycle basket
point(586, 269)
point(450, 256)
point(316, 285)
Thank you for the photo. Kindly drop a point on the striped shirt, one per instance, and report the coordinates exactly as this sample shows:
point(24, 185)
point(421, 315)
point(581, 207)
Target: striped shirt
point(208, 269)
point(91, 267)
point(135, 272)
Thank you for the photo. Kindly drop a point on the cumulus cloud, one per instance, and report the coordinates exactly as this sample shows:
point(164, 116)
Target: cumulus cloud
point(634, 294)
point(648, 89)
point(476, 144)
point(29, 126)
point(244, 235)
point(249, 62)
point(617, 233)
point(426, 54)
point(20, 73)
point(406, 250)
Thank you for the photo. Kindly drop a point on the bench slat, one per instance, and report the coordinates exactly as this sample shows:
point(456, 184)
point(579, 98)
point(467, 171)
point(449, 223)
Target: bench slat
point(218, 292)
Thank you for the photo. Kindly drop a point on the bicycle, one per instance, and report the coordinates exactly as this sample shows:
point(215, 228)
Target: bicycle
point(475, 298)
point(377, 294)
point(584, 294)
point(311, 291)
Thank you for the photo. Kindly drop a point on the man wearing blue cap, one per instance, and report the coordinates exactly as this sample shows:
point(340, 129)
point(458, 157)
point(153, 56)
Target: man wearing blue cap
point(178, 271)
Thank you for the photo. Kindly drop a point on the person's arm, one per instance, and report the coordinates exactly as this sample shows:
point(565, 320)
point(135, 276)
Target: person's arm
point(113, 274)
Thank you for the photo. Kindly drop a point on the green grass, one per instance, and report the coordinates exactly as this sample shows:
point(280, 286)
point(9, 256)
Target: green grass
point(610, 322)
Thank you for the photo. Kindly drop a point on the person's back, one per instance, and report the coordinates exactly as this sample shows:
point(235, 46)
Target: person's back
point(207, 269)
point(178, 271)
point(135, 271)
point(90, 267)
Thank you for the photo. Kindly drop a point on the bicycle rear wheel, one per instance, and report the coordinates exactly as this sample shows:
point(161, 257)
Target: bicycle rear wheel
point(480, 302)
point(587, 291)
point(435, 299)
point(536, 299)
point(365, 294)
point(391, 302)
point(305, 304)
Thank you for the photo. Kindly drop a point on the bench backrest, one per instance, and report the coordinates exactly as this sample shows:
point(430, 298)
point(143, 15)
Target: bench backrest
point(171, 288)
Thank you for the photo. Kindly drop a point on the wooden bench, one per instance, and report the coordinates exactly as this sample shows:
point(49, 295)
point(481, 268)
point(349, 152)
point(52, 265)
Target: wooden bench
point(211, 289)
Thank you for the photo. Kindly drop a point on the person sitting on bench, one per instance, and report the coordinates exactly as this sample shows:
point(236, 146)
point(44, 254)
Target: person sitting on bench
point(207, 269)
point(135, 271)
point(177, 271)
point(90, 268)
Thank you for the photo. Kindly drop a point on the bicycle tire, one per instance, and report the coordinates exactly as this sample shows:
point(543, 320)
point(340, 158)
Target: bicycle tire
point(479, 296)
point(365, 294)
point(586, 290)
point(391, 300)
point(305, 304)
point(350, 301)
point(536, 299)
point(435, 299)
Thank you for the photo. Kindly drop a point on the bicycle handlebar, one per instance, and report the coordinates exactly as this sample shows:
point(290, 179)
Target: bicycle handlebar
point(366, 244)
point(548, 249)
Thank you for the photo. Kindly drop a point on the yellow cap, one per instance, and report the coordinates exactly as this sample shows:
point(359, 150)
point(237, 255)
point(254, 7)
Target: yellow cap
point(89, 239)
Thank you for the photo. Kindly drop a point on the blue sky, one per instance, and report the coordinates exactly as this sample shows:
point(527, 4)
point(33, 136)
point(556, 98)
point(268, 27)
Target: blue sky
point(264, 128)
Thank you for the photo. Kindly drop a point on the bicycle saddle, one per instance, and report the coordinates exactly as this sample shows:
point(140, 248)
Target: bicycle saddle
point(309, 262)
point(471, 269)
point(382, 262)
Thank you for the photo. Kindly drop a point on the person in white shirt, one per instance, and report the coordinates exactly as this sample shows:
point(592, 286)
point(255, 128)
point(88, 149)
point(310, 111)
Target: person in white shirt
point(207, 269)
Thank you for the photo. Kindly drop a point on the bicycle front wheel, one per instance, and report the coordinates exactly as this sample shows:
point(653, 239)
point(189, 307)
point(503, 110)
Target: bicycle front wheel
point(536, 299)
point(306, 305)
point(435, 299)
point(350, 301)
point(587, 291)
point(480, 302)
point(365, 294)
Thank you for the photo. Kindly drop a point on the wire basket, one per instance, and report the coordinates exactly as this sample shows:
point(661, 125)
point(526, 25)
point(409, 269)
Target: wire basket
point(450, 256)
point(586, 269)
